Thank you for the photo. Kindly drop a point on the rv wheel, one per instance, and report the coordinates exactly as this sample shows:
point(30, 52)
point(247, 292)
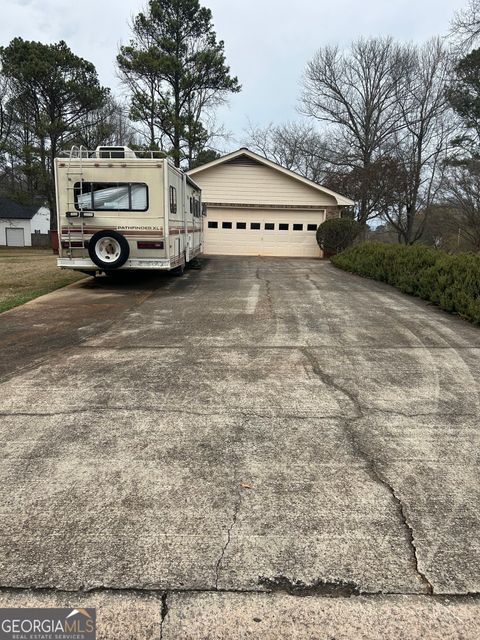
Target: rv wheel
point(108, 249)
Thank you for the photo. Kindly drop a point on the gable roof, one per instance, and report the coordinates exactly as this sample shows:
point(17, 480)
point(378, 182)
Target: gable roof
point(11, 210)
point(254, 157)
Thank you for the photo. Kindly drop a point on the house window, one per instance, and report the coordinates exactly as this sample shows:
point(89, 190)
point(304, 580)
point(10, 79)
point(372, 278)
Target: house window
point(283, 227)
point(311, 227)
point(269, 226)
point(212, 224)
point(226, 225)
point(173, 199)
point(254, 225)
point(298, 227)
point(191, 205)
point(241, 225)
point(111, 196)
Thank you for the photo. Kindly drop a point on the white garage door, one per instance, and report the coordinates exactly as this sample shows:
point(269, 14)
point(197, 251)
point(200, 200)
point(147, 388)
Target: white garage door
point(262, 233)
point(15, 238)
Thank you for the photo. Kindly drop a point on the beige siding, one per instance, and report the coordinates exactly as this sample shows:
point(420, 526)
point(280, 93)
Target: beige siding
point(256, 184)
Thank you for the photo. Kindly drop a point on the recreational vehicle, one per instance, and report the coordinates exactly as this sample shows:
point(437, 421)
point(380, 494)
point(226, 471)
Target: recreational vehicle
point(120, 209)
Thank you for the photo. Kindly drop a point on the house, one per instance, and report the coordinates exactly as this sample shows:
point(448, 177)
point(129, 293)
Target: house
point(257, 207)
point(23, 225)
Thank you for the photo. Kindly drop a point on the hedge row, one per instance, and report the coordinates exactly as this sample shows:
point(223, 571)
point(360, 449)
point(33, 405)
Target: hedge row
point(450, 281)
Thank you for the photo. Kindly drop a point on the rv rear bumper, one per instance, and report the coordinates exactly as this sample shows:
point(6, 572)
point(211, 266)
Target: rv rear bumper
point(84, 264)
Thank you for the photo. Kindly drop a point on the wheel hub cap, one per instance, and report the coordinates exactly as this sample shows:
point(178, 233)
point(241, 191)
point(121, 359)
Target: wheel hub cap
point(107, 249)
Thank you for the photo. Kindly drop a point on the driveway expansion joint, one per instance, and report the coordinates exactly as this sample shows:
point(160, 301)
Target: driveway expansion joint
point(271, 585)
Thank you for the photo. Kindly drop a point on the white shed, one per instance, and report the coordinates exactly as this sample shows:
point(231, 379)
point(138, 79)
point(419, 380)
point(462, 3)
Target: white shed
point(256, 207)
point(19, 222)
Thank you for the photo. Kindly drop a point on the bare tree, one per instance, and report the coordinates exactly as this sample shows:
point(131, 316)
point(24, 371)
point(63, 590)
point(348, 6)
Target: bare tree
point(463, 193)
point(466, 25)
point(296, 146)
point(357, 93)
point(108, 125)
point(420, 144)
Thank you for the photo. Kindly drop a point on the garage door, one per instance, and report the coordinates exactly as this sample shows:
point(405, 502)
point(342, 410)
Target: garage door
point(15, 238)
point(262, 233)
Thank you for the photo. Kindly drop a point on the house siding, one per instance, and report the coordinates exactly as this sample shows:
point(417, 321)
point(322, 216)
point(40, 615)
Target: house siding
point(257, 184)
point(15, 224)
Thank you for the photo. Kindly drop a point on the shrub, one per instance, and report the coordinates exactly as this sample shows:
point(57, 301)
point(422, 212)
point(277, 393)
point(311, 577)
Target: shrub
point(337, 234)
point(450, 281)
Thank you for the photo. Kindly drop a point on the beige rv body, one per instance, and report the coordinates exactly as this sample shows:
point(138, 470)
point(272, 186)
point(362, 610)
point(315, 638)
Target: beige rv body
point(155, 207)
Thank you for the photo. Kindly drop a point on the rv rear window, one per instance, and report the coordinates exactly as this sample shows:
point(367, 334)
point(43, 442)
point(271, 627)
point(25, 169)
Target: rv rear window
point(111, 196)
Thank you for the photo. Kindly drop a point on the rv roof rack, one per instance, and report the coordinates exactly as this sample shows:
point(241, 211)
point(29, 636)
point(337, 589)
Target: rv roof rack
point(111, 153)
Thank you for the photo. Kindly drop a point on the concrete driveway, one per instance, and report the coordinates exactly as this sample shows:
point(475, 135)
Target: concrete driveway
point(193, 455)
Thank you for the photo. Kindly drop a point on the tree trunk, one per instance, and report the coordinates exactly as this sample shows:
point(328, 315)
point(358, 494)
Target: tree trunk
point(52, 201)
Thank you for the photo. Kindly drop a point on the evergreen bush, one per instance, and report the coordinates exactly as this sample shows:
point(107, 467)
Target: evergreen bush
point(450, 281)
point(337, 234)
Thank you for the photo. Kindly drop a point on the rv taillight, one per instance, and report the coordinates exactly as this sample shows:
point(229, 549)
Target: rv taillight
point(149, 245)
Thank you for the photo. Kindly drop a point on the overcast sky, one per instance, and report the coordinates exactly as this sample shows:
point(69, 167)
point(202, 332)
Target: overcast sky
point(267, 42)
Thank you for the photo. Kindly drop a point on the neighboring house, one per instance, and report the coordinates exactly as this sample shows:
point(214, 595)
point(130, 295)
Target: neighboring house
point(256, 207)
point(19, 222)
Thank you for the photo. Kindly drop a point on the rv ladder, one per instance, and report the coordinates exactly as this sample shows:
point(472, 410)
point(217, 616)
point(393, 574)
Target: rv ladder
point(76, 152)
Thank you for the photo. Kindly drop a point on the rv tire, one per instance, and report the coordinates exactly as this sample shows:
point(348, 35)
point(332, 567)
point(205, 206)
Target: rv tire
point(108, 249)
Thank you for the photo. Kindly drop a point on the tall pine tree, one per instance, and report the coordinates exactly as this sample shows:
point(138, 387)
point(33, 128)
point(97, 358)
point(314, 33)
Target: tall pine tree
point(175, 71)
point(52, 90)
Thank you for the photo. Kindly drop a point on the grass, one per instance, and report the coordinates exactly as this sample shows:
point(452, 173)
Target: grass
point(27, 273)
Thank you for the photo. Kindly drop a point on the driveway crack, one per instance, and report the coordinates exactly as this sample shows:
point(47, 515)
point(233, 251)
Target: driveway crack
point(268, 291)
point(237, 504)
point(411, 538)
point(218, 566)
point(371, 465)
point(163, 612)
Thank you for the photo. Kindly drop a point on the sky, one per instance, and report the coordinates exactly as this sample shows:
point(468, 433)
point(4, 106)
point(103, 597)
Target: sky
point(267, 42)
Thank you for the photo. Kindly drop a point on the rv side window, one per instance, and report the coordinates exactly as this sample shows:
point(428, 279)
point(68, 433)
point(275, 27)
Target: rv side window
point(173, 200)
point(195, 207)
point(111, 196)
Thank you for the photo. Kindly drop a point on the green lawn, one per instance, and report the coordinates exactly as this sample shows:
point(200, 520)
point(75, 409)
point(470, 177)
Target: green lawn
point(27, 273)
